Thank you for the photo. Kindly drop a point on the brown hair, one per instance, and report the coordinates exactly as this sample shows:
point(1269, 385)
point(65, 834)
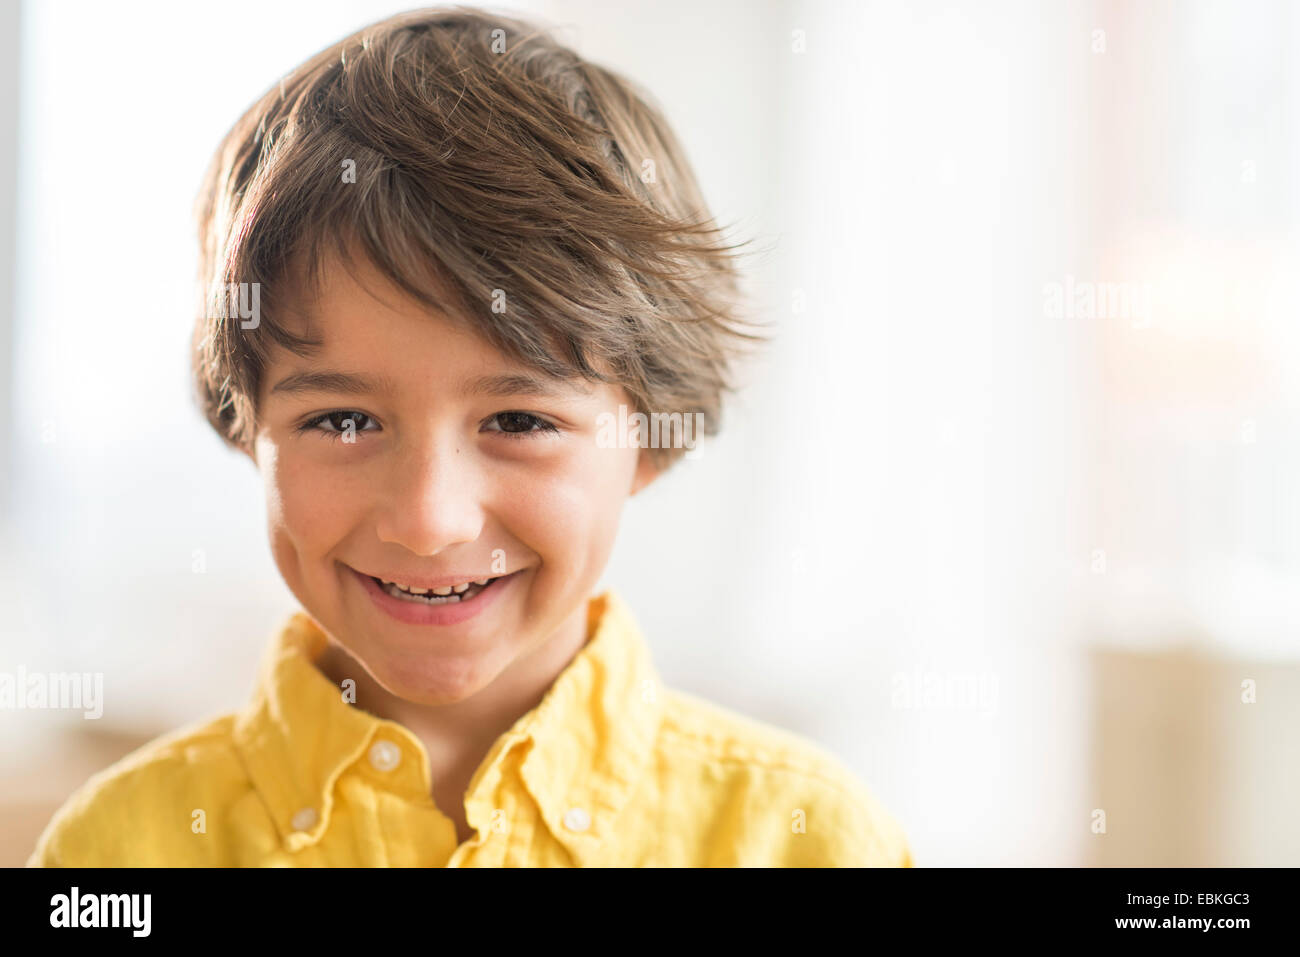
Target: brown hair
point(488, 159)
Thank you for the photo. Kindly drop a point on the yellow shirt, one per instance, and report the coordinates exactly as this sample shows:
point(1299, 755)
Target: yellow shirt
point(610, 769)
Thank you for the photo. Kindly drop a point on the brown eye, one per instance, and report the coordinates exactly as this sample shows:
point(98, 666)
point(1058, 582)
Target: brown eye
point(520, 424)
point(342, 421)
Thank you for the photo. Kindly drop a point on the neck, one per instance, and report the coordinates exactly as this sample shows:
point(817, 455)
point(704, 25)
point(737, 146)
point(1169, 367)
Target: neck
point(458, 736)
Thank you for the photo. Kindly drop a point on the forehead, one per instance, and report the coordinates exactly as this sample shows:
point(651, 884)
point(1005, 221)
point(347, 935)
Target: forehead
point(340, 287)
point(371, 336)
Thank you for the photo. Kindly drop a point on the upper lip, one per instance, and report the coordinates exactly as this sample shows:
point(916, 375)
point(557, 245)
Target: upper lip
point(442, 581)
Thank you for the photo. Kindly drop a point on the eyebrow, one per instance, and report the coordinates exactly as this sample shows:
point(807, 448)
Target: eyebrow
point(514, 383)
point(350, 383)
point(347, 383)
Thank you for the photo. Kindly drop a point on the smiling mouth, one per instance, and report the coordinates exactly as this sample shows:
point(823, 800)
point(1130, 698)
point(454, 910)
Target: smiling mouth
point(425, 597)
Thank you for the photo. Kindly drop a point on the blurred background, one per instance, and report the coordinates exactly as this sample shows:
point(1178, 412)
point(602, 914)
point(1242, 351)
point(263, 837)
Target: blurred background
point(1008, 516)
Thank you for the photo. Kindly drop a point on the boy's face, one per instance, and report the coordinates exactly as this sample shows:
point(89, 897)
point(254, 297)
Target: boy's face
point(413, 477)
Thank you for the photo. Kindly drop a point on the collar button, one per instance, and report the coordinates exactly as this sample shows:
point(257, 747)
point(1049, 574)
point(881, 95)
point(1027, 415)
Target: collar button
point(576, 819)
point(384, 756)
point(304, 819)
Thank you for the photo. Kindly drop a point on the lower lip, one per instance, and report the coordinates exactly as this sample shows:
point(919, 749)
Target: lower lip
point(451, 613)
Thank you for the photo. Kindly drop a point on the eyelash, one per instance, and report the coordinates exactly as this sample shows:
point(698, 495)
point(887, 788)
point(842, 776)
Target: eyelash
point(313, 424)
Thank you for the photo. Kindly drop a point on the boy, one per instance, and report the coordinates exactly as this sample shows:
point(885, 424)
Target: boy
point(447, 251)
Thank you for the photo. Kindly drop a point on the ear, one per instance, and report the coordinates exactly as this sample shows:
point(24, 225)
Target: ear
point(646, 472)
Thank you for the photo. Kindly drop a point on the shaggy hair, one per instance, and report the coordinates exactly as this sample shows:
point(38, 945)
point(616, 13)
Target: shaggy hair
point(496, 177)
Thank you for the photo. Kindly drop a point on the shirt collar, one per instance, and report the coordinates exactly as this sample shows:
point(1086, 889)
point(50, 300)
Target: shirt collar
point(586, 744)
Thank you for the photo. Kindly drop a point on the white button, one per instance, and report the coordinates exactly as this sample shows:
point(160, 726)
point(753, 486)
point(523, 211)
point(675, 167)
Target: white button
point(576, 819)
point(384, 756)
point(304, 819)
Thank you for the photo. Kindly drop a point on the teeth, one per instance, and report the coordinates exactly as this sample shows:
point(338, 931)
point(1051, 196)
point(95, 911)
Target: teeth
point(436, 596)
point(444, 591)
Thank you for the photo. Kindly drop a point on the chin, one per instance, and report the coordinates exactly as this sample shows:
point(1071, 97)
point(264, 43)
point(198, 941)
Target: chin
point(446, 683)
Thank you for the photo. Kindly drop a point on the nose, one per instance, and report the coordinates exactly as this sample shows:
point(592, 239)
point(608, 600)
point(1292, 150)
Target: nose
point(431, 499)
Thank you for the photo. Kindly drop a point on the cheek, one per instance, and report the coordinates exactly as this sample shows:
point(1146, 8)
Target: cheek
point(569, 512)
point(304, 504)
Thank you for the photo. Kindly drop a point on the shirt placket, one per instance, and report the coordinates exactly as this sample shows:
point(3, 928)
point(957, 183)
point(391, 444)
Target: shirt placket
point(412, 830)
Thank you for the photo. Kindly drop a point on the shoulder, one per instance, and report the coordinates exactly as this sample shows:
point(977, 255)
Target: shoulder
point(787, 800)
point(139, 810)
